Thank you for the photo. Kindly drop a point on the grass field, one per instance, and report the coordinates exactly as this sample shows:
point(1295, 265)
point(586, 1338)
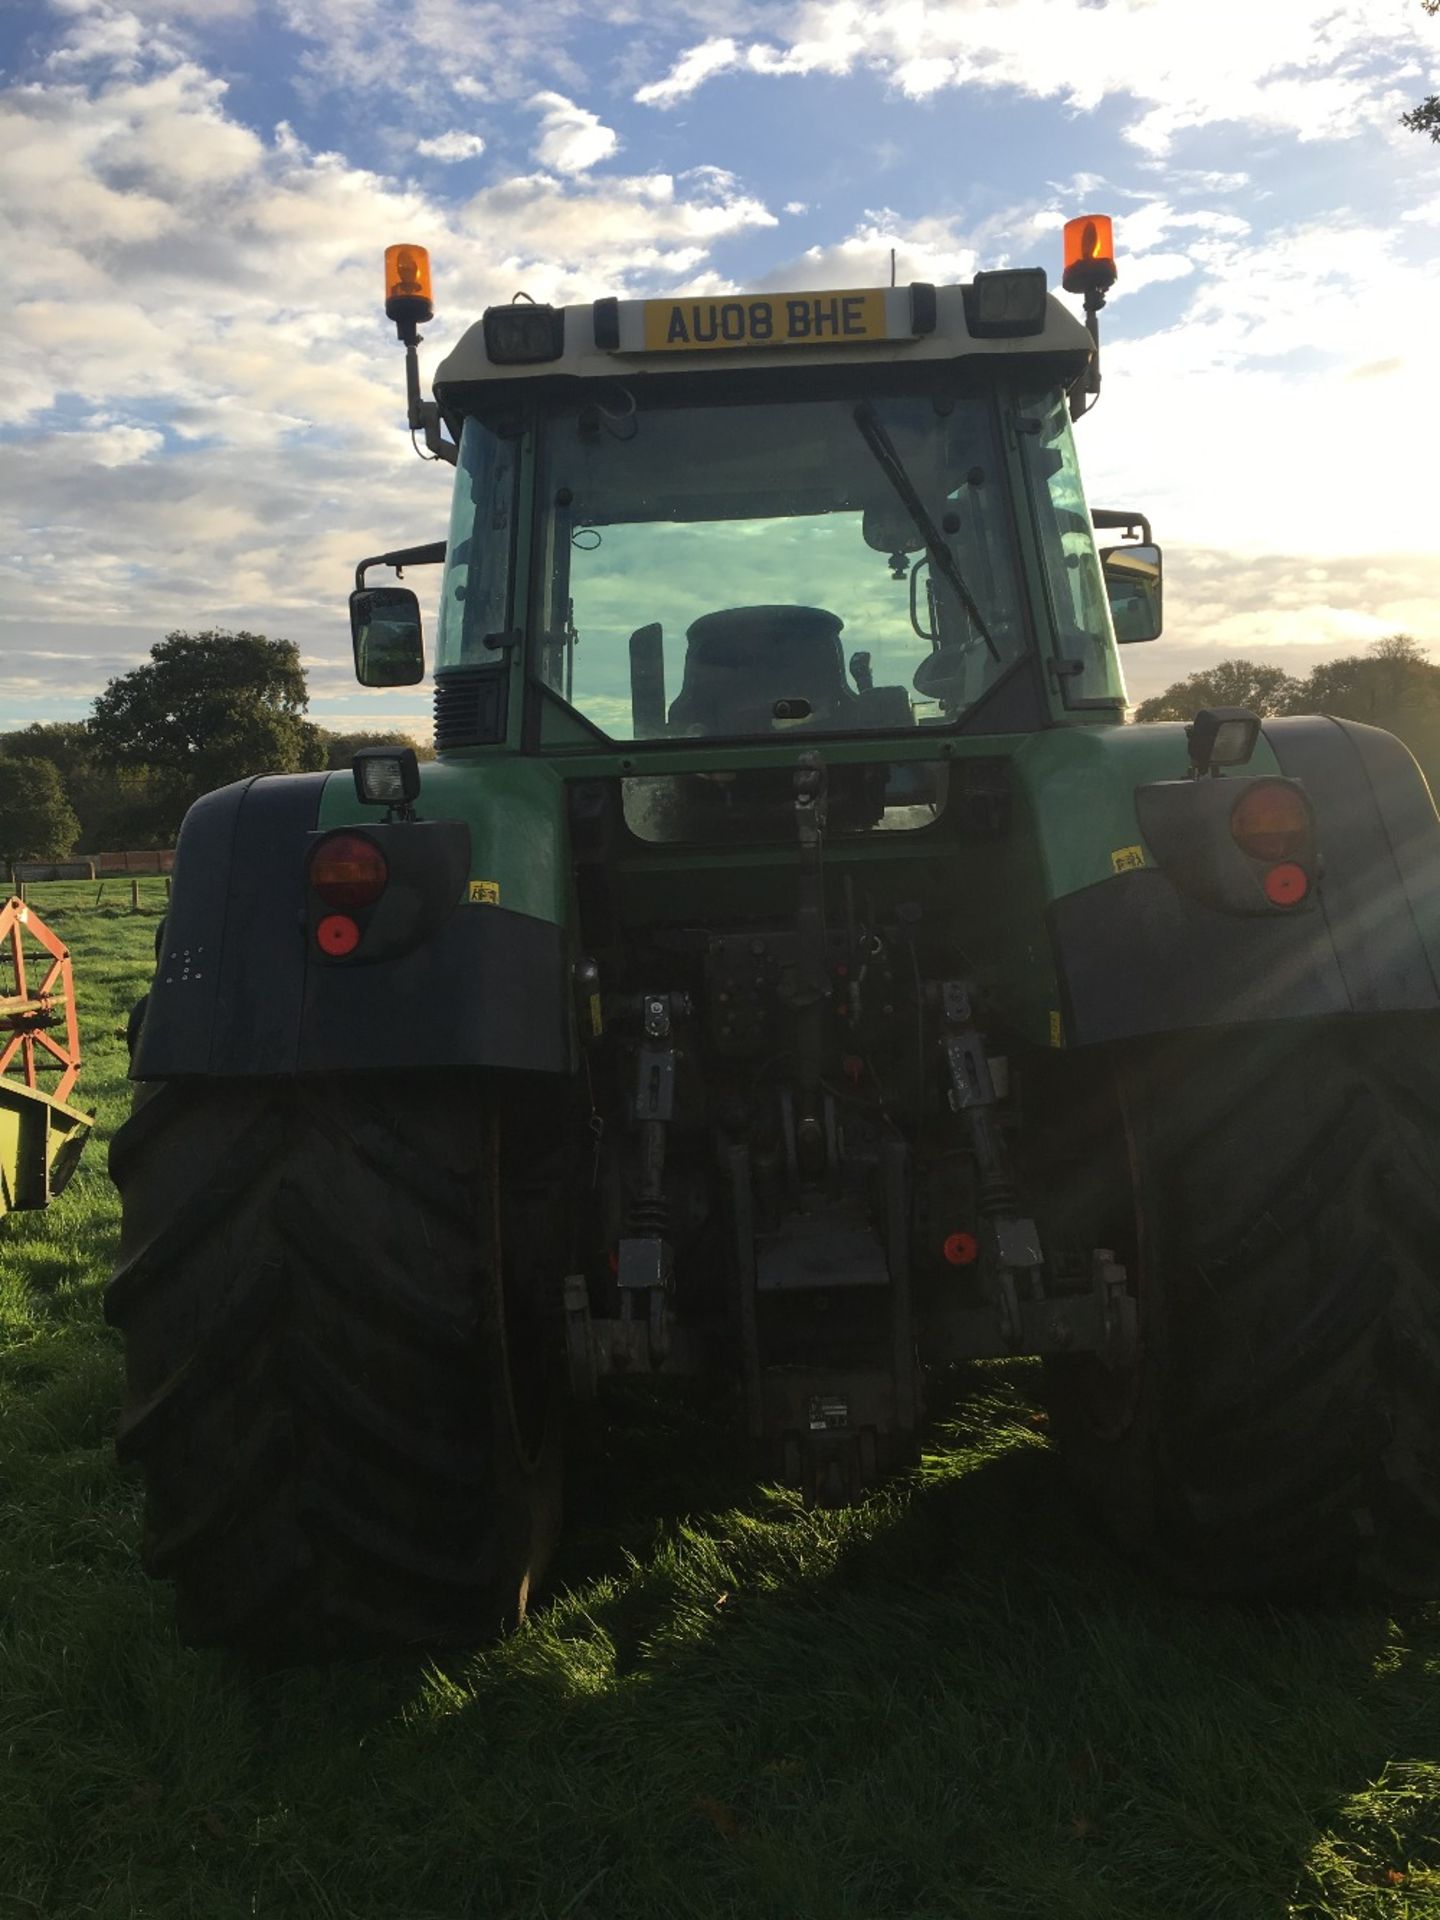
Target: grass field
point(952, 1702)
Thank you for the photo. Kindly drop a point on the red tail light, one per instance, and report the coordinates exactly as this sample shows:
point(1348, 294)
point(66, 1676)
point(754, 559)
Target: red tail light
point(348, 871)
point(1286, 885)
point(337, 935)
point(1271, 821)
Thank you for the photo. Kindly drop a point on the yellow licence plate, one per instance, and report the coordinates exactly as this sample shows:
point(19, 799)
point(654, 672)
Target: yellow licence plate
point(765, 320)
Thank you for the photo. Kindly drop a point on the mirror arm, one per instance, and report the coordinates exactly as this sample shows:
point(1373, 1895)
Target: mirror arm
point(1123, 520)
point(432, 555)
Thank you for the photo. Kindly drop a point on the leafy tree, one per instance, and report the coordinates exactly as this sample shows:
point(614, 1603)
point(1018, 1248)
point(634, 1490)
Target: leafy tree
point(117, 807)
point(1425, 118)
point(341, 748)
point(37, 822)
point(206, 709)
point(1393, 678)
point(1392, 685)
point(1233, 683)
point(67, 744)
point(124, 808)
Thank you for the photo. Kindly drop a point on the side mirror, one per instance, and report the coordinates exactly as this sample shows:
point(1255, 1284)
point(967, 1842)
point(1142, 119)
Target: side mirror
point(1133, 584)
point(386, 634)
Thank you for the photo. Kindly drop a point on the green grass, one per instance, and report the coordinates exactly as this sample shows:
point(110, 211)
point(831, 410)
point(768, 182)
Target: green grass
point(951, 1702)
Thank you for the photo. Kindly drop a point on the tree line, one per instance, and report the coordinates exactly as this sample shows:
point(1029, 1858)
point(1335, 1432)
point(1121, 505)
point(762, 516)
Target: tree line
point(205, 709)
point(1391, 685)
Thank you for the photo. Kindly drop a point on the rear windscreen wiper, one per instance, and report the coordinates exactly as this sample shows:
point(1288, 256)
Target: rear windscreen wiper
point(938, 548)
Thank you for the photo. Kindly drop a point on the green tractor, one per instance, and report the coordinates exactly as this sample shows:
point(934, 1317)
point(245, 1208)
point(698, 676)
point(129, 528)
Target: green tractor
point(792, 970)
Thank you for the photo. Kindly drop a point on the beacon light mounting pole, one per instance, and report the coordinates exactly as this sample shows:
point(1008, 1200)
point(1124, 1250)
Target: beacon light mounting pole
point(1090, 272)
point(408, 302)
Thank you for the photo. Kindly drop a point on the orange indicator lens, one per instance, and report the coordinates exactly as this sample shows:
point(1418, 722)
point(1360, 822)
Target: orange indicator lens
point(348, 871)
point(1271, 821)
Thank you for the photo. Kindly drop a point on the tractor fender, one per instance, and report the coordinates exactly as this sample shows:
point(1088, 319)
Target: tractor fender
point(242, 989)
point(1136, 954)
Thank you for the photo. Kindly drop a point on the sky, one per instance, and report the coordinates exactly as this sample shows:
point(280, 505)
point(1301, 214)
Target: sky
point(202, 406)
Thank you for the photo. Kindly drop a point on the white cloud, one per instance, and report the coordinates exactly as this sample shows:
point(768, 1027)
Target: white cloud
point(117, 446)
point(191, 285)
point(1271, 413)
point(115, 38)
point(571, 241)
point(1275, 65)
point(413, 50)
point(572, 139)
point(929, 248)
point(690, 72)
point(451, 146)
point(154, 13)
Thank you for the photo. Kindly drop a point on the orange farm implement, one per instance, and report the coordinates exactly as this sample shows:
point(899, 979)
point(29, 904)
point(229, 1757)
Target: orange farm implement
point(41, 1135)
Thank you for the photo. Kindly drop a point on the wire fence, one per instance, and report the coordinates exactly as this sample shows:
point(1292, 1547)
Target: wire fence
point(112, 892)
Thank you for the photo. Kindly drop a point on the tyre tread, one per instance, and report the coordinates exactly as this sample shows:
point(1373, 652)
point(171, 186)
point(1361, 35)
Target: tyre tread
point(313, 1391)
point(1288, 1424)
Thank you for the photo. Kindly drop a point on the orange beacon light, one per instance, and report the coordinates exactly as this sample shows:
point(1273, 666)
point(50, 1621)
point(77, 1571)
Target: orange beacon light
point(407, 286)
point(1089, 254)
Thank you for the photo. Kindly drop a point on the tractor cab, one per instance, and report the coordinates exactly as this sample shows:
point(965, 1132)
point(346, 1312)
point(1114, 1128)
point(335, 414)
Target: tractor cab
point(769, 520)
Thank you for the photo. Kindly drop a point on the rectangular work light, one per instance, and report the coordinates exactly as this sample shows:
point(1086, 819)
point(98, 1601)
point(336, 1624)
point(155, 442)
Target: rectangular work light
point(523, 333)
point(1222, 737)
point(386, 776)
point(1006, 305)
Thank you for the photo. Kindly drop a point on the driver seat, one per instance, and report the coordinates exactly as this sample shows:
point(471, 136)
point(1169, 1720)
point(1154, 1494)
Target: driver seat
point(740, 661)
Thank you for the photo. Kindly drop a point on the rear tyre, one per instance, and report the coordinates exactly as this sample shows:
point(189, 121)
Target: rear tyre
point(1275, 1192)
point(337, 1300)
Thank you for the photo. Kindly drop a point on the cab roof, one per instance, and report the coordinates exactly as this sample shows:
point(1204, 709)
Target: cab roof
point(700, 334)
